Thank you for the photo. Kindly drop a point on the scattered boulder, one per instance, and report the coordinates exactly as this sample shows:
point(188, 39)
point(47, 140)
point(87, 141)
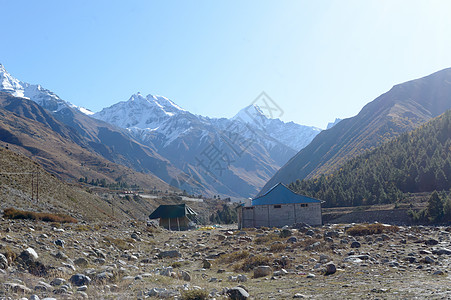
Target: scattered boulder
point(169, 254)
point(16, 288)
point(3, 262)
point(331, 234)
point(185, 275)
point(355, 244)
point(430, 242)
point(237, 293)
point(81, 262)
point(262, 271)
point(310, 232)
point(442, 251)
point(28, 254)
point(60, 243)
point(80, 279)
point(330, 269)
point(292, 239)
point(57, 281)
point(206, 264)
point(285, 233)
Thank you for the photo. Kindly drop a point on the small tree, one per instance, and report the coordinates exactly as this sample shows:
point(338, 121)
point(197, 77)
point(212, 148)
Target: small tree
point(447, 210)
point(435, 208)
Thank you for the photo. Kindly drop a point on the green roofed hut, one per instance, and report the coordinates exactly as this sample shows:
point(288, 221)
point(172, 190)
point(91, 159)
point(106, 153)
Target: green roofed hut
point(278, 207)
point(174, 217)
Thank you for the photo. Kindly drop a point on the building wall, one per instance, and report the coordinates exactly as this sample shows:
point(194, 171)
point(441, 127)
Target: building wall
point(281, 215)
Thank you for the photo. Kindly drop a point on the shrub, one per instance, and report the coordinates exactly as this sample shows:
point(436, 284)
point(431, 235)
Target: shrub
point(194, 295)
point(267, 238)
point(119, 243)
point(10, 255)
point(234, 256)
point(12, 213)
point(368, 229)
point(251, 262)
point(277, 247)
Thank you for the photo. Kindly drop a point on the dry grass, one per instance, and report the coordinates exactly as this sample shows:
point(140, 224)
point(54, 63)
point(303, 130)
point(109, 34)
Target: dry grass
point(233, 257)
point(12, 213)
point(277, 247)
point(194, 295)
point(122, 244)
point(10, 255)
point(251, 262)
point(368, 229)
point(268, 238)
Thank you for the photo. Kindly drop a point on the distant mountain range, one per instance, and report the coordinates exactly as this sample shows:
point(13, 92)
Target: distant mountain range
point(152, 135)
point(415, 162)
point(226, 156)
point(405, 107)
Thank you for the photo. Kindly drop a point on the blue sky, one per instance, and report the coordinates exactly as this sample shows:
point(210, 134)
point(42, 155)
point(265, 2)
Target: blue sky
point(317, 60)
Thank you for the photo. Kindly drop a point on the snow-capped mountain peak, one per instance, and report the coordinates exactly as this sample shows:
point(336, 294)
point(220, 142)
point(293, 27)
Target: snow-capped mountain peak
point(34, 92)
point(251, 114)
point(10, 84)
point(140, 112)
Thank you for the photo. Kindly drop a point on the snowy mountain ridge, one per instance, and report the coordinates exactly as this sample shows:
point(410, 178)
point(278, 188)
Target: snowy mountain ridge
point(34, 92)
point(243, 151)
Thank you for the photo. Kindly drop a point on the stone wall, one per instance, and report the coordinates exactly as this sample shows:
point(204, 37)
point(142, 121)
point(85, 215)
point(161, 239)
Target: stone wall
point(281, 215)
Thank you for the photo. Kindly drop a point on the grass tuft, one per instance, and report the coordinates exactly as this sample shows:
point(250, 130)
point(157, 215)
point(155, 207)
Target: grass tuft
point(194, 295)
point(368, 229)
point(12, 213)
point(251, 262)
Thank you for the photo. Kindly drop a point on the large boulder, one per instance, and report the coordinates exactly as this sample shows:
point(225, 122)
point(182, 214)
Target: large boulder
point(169, 254)
point(237, 293)
point(262, 271)
point(3, 262)
point(28, 254)
point(330, 269)
point(80, 279)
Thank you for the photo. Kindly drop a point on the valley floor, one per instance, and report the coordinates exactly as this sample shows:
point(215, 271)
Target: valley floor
point(135, 260)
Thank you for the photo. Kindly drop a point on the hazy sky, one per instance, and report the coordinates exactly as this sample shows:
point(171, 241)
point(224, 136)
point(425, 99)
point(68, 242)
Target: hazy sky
point(317, 60)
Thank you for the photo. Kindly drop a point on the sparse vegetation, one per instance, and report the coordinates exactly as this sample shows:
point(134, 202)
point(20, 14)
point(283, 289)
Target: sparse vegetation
point(234, 256)
point(277, 247)
point(194, 295)
point(122, 244)
point(267, 238)
point(369, 229)
point(12, 213)
point(251, 262)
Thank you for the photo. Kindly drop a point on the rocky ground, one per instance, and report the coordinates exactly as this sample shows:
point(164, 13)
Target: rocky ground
point(136, 260)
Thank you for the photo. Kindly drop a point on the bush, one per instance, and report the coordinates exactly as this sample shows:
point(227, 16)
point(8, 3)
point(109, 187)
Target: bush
point(267, 238)
point(12, 213)
point(277, 247)
point(234, 256)
point(368, 229)
point(10, 255)
point(194, 295)
point(251, 262)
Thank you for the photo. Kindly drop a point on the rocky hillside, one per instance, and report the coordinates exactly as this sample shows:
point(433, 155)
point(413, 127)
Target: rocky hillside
point(405, 107)
point(31, 130)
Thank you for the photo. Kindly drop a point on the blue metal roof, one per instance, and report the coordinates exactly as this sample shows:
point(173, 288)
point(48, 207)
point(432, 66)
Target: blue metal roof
point(281, 194)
